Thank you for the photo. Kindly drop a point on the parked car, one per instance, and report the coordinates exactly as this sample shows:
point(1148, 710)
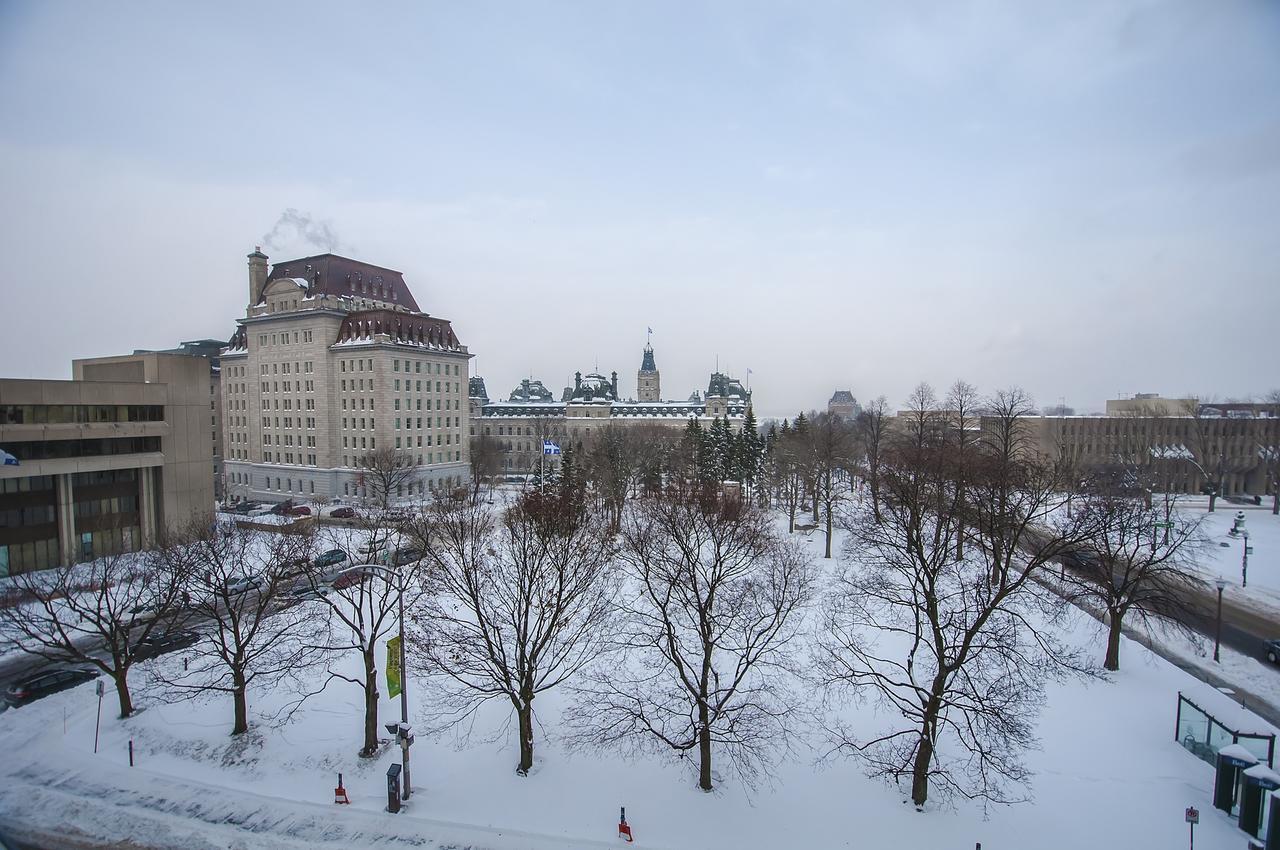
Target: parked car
point(158, 644)
point(260, 510)
point(1273, 651)
point(46, 682)
point(295, 567)
point(330, 558)
point(244, 585)
point(343, 513)
point(394, 517)
point(283, 508)
point(352, 576)
point(406, 555)
point(300, 510)
point(142, 613)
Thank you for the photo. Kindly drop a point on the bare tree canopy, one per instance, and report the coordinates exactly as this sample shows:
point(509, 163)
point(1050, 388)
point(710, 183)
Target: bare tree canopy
point(98, 613)
point(702, 662)
point(387, 474)
point(518, 603)
point(955, 648)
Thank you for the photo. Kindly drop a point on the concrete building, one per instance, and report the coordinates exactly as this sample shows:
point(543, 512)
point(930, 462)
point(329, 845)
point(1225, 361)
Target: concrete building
point(333, 361)
point(531, 414)
point(105, 461)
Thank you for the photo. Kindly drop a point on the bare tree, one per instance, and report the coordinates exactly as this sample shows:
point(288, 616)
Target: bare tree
point(954, 648)
point(1207, 448)
point(98, 613)
point(486, 462)
point(362, 606)
point(236, 579)
point(518, 603)
point(832, 450)
point(872, 424)
point(387, 472)
point(704, 637)
point(963, 428)
point(1127, 566)
point(613, 465)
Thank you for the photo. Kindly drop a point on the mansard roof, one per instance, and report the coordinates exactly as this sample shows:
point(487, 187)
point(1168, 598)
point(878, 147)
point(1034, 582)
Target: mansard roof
point(330, 274)
point(403, 328)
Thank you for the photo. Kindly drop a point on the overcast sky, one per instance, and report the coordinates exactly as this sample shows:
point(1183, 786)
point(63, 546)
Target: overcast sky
point(1079, 198)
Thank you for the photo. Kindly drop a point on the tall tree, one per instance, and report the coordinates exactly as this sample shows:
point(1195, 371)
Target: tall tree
point(704, 638)
point(387, 472)
point(872, 426)
point(518, 606)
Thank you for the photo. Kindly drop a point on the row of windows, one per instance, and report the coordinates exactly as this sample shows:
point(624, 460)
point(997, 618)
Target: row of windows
point(39, 414)
point(283, 337)
point(46, 449)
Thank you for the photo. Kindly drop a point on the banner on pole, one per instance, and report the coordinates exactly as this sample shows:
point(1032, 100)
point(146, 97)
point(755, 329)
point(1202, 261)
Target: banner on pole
point(393, 667)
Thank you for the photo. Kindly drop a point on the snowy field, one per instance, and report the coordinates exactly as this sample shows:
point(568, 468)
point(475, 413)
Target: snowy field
point(1219, 560)
point(1109, 775)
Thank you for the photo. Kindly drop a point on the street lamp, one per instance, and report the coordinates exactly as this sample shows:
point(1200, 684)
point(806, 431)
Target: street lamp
point(401, 730)
point(1217, 637)
point(1244, 562)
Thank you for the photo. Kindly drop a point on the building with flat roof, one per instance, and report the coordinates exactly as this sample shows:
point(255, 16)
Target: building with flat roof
point(105, 462)
point(334, 361)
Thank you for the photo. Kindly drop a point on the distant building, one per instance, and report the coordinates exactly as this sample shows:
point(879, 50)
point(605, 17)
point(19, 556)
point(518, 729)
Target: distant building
point(531, 414)
point(210, 349)
point(333, 361)
point(106, 461)
point(844, 405)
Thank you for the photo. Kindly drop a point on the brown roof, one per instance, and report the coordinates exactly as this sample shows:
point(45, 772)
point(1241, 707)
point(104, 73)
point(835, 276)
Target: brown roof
point(330, 274)
point(411, 329)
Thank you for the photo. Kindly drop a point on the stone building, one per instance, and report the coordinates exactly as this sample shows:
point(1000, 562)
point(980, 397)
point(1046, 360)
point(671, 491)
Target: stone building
point(105, 461)
point(843, 405)
point(333, 361)
point(531, 415)
point(210, 349)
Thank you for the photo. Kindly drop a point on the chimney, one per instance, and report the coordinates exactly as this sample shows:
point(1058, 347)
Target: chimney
point(577, 381)
point(614, 384)
point(257, 274)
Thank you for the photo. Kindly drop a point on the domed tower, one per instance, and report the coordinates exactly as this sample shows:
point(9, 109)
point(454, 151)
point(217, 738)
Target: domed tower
point(648, 385)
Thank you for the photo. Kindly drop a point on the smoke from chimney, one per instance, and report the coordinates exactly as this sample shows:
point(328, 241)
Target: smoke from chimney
point(294, 227)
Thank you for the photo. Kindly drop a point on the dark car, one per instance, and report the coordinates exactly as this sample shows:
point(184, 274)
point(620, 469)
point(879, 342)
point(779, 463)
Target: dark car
point(407, 555)
point(44, 683)
point(282, 509)
point(330, 558)
point(343, 513)
point(159, 644)
point(300, 510)
point(1273, 651)
point(352, 576)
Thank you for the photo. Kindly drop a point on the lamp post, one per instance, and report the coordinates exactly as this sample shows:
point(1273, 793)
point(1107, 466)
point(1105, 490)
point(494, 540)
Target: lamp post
point(1244, 562)
point(401, 729)
point(1217, 636)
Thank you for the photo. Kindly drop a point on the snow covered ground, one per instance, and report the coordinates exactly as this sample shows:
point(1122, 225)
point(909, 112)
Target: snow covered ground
point(1109, 775)
point(1225, 560)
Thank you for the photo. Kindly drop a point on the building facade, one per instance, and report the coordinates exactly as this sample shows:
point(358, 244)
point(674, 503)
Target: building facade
point(531, 414)
point(843, 405)
point(333, 362)
point(105, 462)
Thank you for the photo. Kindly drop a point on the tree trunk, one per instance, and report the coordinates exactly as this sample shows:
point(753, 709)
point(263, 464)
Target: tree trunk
point(815, 505)
point(704, 749)
point(828, 555)
point(1213, 499)
point(920, 770)
point(241, 704)
point(1275, 499)
point(1112, 661)
point(122, 692)
point(370, 705)
point(525, 711)
point(791, 517)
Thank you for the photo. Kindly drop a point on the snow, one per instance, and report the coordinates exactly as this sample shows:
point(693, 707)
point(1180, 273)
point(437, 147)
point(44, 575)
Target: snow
point(1225, 561)
point(1110, 774)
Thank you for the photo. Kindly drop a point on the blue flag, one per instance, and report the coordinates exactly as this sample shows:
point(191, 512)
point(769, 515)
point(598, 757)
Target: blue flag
point(7, 459)
point(550, 448)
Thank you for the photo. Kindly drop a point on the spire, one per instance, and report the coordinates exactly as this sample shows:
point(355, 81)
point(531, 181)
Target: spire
point(647, 364)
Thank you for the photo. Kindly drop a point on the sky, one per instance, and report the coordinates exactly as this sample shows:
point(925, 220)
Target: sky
point(1079, 198)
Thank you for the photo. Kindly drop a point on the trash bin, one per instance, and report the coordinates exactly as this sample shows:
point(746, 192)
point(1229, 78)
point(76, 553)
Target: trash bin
point(1259, 782)
point(1233, 760)
point(393, 788)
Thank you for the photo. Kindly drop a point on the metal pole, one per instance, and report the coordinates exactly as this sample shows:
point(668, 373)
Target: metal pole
point(1244, 563)
point(404, 687)
point(1217, 637)
point(98, 724)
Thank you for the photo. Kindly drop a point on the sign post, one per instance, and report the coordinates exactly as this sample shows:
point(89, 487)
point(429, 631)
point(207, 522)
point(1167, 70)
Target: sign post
point(1193, 818)
point(99, 687)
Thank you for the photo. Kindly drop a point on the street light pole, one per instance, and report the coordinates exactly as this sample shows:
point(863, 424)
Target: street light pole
point(1217, 637)
point(404, 682)
point(1244, 563)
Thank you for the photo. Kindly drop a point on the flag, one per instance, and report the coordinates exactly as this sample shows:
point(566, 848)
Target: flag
point(650, 330)
point(550, 448)
point(7, 459)
point(393, 667)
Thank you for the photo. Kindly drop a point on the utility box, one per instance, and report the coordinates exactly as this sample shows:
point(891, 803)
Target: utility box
point(1255, 797)
point(1233, 761)
point(393, 788)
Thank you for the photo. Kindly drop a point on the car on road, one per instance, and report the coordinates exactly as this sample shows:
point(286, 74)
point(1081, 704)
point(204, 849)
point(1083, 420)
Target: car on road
point(330, 558)
point(300, 510)
point(1273, 651)
point(244, 585)
point(343, 513)
point(46, 682)
point(158, 644)
point(405, 555)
